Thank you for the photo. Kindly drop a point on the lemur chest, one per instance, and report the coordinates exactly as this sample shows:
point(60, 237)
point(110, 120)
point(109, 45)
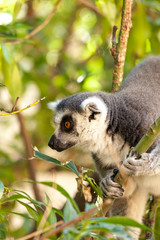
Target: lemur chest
point(115, 151)
point(111, 154)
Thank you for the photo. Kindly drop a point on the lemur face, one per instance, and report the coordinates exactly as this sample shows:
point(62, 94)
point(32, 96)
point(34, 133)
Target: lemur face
point(65, 135)
point(78, 122)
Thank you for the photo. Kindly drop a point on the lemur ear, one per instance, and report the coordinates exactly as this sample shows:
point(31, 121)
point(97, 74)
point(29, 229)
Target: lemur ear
point(93, 104)
point(53, 105)
point(91, 107)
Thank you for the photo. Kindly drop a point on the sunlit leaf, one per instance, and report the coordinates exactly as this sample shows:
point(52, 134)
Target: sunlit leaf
point(16, 213)
point(13, 198)
point(31, 211)
point(70, 165)
point(61, 190)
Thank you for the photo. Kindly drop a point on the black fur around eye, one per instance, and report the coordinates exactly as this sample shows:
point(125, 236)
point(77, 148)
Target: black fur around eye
point(67, 123)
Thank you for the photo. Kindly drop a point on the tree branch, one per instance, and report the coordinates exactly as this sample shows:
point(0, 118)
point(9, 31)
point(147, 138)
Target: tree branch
point(29, 154)
point(118, 50)
point(91, 6)
point(14, 111)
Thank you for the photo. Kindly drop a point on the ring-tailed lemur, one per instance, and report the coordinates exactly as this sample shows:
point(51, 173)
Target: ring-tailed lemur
point(109, 124)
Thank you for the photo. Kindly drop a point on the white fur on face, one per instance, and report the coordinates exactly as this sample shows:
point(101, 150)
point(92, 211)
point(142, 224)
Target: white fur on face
point(91, 133)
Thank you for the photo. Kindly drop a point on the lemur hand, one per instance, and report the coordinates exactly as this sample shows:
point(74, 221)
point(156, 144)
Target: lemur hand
point(146, 164)
point(109, 188)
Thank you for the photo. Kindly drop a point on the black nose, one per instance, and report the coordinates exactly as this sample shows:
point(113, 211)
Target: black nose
point(51, 142)
point(56, 144)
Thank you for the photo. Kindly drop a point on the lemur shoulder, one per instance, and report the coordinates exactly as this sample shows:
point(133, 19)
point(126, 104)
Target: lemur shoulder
point(108, 125)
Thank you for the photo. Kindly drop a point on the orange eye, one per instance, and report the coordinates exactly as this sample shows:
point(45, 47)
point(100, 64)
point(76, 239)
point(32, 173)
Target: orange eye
point(67, 124)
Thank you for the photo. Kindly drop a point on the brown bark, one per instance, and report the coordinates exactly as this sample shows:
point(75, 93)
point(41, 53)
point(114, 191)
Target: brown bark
point(29, 155)
point(118, 50)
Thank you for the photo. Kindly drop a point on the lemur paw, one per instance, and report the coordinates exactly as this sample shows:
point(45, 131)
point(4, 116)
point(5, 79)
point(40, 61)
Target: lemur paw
point(139, 166)
point(109, 188)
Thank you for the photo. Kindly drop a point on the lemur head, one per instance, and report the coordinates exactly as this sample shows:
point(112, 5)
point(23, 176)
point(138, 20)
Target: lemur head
point(80, 119)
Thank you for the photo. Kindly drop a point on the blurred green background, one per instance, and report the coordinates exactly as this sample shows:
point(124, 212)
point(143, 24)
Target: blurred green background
point(70, 54)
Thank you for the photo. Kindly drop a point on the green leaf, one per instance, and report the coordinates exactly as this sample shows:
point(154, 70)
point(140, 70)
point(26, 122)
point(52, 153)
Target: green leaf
point(16, 213)
point(13, 197)
point(69, 212)
point(52, 217)
point(25, 196)
point(59, 212)
point(47, 199)
point(121, 221)
point(1, 189)
point(93, 184)
point(31, 211)
point(36, 203)
point(61, 190)
point(70, 165)
point(20, 191)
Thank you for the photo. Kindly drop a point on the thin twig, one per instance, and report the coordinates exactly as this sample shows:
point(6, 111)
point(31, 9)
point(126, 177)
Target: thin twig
point(39, 28)
point(114, 34)
point(4, 110)
point(37, 233)
point(15, 104)
point(91, 6)
point(21, 110)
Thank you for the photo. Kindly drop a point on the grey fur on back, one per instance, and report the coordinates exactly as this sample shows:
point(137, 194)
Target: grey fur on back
point(141, 93)
point(133, 109)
